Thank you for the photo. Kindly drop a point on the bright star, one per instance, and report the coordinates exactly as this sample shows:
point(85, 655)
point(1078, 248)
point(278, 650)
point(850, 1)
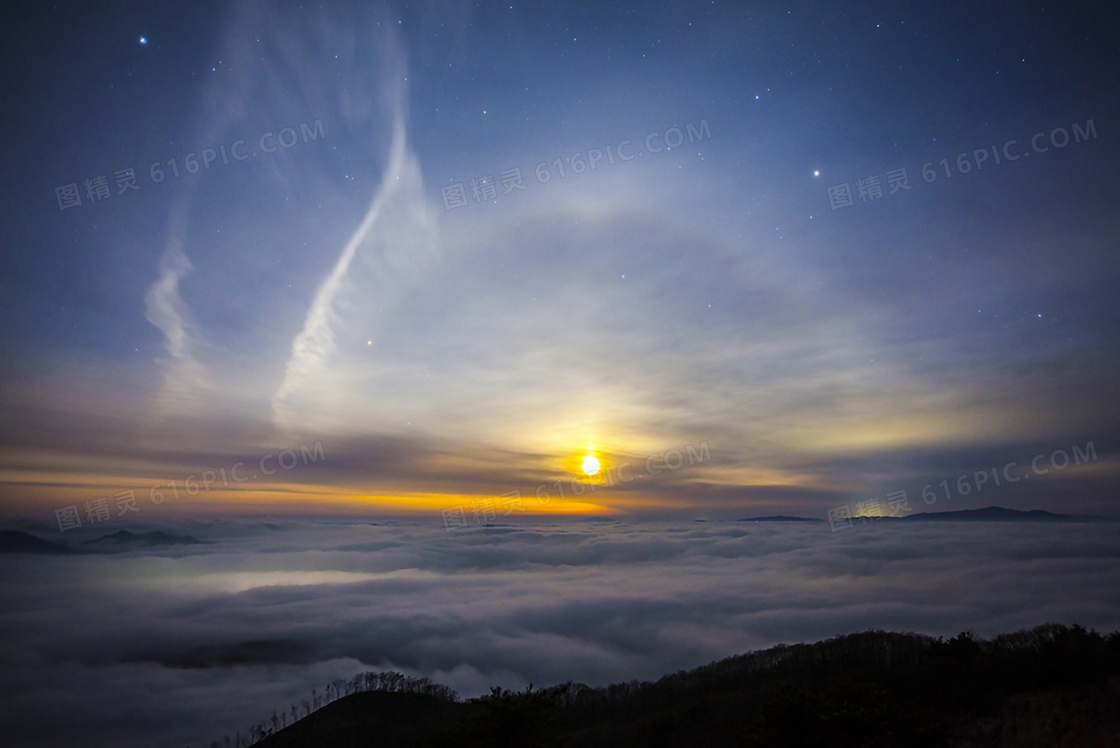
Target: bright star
point(143, 40)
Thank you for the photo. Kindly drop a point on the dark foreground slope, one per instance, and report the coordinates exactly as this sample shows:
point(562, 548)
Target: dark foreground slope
point(16, 541)
point(377, 718)
point(1052, 686)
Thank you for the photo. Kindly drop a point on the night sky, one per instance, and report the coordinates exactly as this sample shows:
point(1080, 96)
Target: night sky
point(415, 263)
point(802, 283)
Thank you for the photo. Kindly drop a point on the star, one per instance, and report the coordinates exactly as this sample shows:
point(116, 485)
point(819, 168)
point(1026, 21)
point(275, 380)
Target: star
point(143, 40)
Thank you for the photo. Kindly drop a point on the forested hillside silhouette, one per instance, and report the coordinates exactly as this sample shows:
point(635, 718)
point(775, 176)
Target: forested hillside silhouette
point(1052, 686)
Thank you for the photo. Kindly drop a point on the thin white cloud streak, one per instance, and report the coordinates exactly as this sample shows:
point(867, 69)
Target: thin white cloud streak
point(395, 238)
point(313, 346)
point(186, 380)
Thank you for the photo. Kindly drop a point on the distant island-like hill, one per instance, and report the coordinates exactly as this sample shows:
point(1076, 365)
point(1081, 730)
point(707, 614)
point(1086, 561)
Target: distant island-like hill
point(154, 538)
point(779, 518)
point(18, 541)
point(999, 514)
point(987, 514)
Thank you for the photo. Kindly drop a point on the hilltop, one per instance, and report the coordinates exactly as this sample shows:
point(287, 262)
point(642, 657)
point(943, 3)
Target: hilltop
point(1053, 685)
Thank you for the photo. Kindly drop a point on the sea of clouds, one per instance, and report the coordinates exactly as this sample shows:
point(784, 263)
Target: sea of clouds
point(186, 644)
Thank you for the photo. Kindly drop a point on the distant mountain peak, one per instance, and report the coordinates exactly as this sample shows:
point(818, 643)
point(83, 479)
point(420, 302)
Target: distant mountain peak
point(155, 537)
point(779, 518)
point(999, 514)
point(17, 541)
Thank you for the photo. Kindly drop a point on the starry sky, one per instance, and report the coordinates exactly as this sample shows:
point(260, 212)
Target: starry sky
point(423, 258)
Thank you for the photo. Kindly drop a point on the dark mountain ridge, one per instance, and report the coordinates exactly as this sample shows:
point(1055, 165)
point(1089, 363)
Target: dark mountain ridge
point(987, 514)
point(155, 537)
point(779, 518)
point(17, 541)
point(1053, 685)
point(999, 514)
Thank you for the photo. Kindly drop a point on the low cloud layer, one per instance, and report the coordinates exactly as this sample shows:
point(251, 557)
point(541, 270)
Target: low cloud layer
point(182, 647)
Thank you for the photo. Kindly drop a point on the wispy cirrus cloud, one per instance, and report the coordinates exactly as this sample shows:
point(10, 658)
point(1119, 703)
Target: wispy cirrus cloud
point(186, 381)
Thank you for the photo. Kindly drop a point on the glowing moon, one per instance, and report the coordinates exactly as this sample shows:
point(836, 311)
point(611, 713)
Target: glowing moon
point(590, 465)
